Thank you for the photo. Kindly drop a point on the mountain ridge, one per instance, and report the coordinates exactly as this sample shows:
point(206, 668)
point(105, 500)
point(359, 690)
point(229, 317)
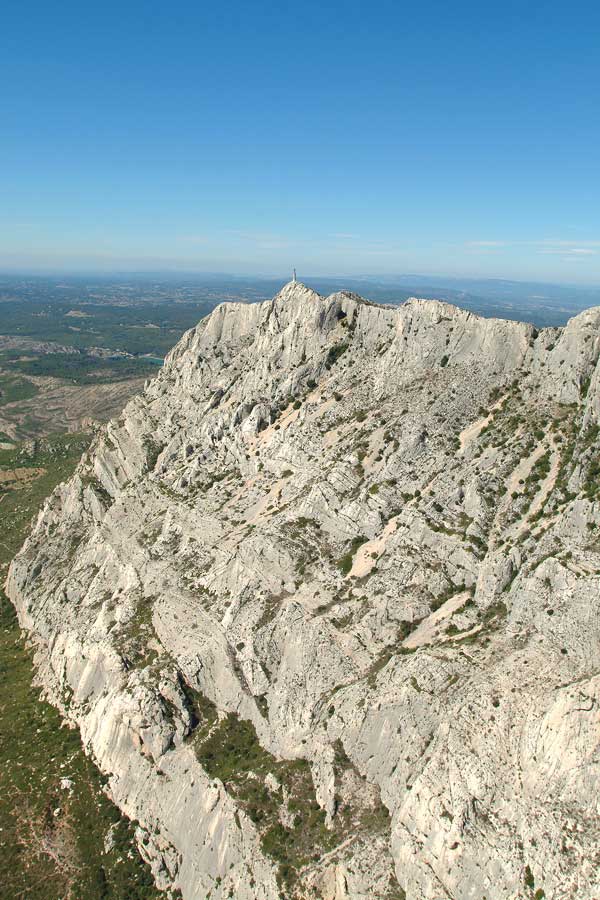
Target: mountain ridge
point(348, 525)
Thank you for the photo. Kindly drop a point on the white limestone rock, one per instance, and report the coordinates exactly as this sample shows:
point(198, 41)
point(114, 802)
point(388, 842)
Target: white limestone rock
point(372, 533)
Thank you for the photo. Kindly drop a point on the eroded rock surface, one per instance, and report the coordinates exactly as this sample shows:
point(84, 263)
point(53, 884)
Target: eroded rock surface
point(324, 604)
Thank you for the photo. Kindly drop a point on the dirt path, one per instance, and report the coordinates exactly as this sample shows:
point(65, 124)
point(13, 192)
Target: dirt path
point(523, 468)
point(368, 554)
point(472, 431)
point(430, 627)
point(546, 487)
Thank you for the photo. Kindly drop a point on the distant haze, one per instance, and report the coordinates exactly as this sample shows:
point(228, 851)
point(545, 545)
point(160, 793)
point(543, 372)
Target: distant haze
point(193, 295)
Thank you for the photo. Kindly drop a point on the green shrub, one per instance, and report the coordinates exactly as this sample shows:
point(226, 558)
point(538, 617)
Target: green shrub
point(345, 562)
point(334, 353)
point(529, 882)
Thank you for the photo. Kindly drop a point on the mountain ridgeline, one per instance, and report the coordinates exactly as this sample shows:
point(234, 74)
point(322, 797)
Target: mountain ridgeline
point(324, 604)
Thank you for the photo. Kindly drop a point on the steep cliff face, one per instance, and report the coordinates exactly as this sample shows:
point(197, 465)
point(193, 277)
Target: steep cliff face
point(324, 604)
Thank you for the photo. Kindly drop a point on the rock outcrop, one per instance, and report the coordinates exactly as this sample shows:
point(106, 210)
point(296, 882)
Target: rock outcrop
point(324, 604)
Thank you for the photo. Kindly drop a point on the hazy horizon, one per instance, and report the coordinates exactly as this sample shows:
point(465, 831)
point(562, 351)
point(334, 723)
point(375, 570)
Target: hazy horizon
point(174, 268)
point(541, 303)
point(284, 275)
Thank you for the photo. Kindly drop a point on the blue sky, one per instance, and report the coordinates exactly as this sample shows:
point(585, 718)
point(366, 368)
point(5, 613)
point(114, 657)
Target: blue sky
point(451, 138)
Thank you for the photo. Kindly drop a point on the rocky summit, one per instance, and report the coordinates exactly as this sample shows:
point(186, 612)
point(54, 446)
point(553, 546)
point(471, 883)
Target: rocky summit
point(324, 604)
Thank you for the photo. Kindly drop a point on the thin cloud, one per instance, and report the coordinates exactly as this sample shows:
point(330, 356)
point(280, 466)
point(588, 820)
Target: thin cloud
point(552, 244)
point(274, 245)
point(382, 251)
point(485, 244)
point(568, 251)
point(548, 242)
point(257, 237)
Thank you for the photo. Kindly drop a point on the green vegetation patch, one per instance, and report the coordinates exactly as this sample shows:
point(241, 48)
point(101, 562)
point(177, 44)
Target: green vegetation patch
point(230, 751)
point(14, 389)
point(278, 795)
point(79, 368)
point(334, 353)
point(137, 635)
point(56, 456)
point(145, 328)
point(345, 562)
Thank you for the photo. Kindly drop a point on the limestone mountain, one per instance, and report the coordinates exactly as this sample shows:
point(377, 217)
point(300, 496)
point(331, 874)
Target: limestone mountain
point(324, 604)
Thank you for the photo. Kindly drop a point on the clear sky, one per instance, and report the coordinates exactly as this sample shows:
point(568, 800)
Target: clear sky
point(340, 137)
